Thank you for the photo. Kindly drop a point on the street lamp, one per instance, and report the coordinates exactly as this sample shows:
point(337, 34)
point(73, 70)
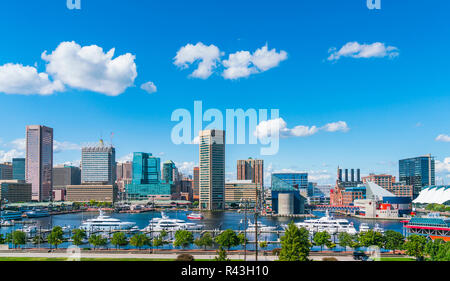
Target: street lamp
point(244, 202)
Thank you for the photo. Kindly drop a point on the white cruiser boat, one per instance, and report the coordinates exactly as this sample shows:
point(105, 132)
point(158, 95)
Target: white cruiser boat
point(363, 227)
point(328, 224)
point(378, 228)
point(165, 223)
point(261, 227)
point(105, 223)
point(6, 223)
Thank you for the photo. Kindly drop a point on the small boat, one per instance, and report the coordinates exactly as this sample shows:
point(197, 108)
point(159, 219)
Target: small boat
point(37, 214)
point(261, 227)
point(195, 216)
point(364, 227)
point(31, 229)
point(5, 223)
point(378, 228)
point(11, 215)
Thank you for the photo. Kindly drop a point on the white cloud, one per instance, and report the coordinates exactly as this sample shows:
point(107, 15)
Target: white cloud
point(443, 138)
point(149, 87)
point(339, 126)
point(208, 56)
point(443, 167)
point(266, 129)
point(243, 64)
point(89, 68)
point(186, 168)
point(356, 50)
point(64, 146)
point(7, 156)
point(25, 80)
point(126, 158)
point(19, 144)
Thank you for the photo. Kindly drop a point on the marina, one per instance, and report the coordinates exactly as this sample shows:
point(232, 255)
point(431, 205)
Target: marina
point(270, 229)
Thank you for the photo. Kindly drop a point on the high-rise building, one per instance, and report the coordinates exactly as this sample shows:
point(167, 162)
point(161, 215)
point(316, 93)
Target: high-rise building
point(18, 165)
point(15, 191)
point(212, 169)
point(418, 172)
point(146, 182)
point(388, 182)
point(98, 164)
point(251, 169)
point(6, 171)
point(124, 175)
point(196, 183)
point(235, 191)
point(170, 172)
point(66, 175)
point(39, 161)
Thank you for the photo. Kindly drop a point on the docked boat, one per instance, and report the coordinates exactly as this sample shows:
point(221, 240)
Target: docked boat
point(261, 227)
point(30, 229)
point(195, 216)
point(37, 214)
point(11, 215)
point(378, 228)
point(329, 224)
point(168, 224)
point(363, 227)
point(4, 223)
point(105, 223)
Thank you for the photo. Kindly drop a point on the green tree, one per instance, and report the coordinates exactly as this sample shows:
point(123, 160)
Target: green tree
point(38, 239)
point(2, 239)
point(323, 239)
point(140, 240)
point(221, 254)
point(204, 241)
point(371, 238)
point(78, 236)
point(444, 252)
point(393, 240)
point(242, 239)
point(119, 239)
point(97, 241)
point(415, 246)
point(295, 245)
point(432, 248)
point(56, 237)
point(228, 239)
point(347, 240)
point(19, 238)
point(263, 245)
point(183, 238)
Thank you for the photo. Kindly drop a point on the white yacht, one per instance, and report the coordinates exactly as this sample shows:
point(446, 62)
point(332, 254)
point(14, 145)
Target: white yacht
point(105, 223)
point(165, 223)
point(261, 227)
point(328, 224)
point(378, 228)
point(363, 227)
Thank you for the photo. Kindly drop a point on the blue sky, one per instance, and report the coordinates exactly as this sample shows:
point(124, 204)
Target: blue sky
point(395, 104)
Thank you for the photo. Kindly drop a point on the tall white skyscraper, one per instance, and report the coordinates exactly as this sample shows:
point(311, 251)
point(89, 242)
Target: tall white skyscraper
point(98, 164)
point(212, 170)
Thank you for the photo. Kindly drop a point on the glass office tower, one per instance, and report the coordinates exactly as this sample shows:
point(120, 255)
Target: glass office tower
point(18, 168)
point(39, 162)
point(418, 172)
point(146, 182)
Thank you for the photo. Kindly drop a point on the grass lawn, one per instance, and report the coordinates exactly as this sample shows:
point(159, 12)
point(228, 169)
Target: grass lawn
point(396, 259)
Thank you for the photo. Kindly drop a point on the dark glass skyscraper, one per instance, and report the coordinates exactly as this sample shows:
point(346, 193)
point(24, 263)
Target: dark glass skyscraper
point(39, 162)
point(18, 168)
point(418, 172)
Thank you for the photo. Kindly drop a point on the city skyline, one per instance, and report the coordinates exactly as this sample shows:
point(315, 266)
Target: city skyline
point(309, 75)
